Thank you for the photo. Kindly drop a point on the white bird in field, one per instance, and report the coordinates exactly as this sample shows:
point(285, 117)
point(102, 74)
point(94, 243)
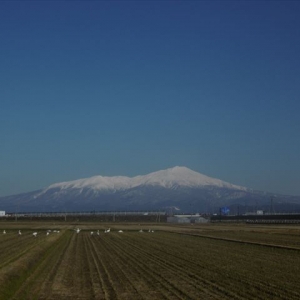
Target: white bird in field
point(47, 233)
point(92, 232)
point(120, 231)
point(98, 233)
point(141, 230)
point(34, 234)
point(4, 232)
point(107, 230)
point(20, 233)
point(77, 230)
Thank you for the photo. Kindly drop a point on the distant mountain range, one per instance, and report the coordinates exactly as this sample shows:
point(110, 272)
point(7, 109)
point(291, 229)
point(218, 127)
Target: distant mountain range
point(177, 188)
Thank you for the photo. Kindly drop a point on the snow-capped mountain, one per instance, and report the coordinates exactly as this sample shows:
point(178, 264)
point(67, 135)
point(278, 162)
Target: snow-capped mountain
point(179, 186)
point(170, 178)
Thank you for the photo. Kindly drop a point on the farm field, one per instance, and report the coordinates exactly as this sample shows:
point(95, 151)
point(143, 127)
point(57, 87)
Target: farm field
point(211, 261)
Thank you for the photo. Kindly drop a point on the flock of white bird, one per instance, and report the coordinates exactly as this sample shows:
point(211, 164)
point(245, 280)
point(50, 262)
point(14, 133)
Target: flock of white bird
point(35, 233)
point(108, 231)
point(77, 231)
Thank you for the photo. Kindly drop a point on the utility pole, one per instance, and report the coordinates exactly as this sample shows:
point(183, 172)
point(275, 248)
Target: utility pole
point(272, 211)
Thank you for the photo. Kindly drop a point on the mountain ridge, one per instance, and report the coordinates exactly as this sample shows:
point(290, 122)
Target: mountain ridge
point(178, 186)
point(180, 176)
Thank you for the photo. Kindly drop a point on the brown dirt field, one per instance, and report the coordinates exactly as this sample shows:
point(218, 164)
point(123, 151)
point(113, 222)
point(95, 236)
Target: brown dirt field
point(174, 262)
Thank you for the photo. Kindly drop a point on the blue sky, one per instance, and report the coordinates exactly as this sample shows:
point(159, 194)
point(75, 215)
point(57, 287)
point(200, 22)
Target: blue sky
point(131, 87)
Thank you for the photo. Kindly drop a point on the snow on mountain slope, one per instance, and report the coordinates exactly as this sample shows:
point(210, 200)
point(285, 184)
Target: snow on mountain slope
point(182, 176)
point(173, 177)
point(96, 182)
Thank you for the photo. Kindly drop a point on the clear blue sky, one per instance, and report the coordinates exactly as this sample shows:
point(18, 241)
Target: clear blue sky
point(131, 87)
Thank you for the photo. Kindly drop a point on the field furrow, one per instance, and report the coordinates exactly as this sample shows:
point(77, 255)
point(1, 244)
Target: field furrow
point(62, 282)
point(191, 275)
point(122, 285)
point(228, 281)
point(181, 279)
point(51, 268)
point(40, 280)
point(14, 276)
point(148, 266)
point(101, 278)
point(15, 250)
point(73, 279)
point(239, 266)
point(136, 281)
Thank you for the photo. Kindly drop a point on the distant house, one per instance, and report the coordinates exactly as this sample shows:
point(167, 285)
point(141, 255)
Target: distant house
point(187, 219)
point(2, 213)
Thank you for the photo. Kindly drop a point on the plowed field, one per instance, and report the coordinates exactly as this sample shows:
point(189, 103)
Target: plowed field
point(149, 265)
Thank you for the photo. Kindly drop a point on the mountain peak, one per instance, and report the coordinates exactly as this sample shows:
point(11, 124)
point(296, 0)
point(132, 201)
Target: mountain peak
point(183, 176)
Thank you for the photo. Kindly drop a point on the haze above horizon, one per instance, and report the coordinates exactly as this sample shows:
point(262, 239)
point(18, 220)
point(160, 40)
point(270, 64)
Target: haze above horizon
point(128, 88)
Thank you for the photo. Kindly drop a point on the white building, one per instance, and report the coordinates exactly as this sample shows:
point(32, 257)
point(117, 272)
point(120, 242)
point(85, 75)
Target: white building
point(2, 213)
point(187, 219)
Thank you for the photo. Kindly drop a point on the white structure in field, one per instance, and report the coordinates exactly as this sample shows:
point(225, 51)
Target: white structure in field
point(2, 213)
point(187, 219)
